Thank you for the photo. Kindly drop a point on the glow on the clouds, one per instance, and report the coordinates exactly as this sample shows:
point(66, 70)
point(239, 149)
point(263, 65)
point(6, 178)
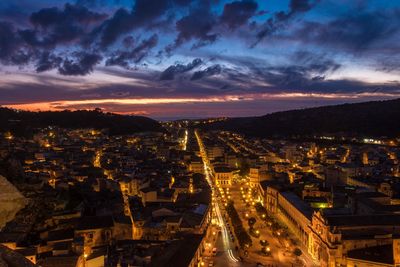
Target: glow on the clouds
point(89, 103)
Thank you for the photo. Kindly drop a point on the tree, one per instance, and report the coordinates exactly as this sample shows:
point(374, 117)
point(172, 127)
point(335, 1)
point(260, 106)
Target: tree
point(241, 234)
point(264, 243)
point(244, 168)
point(251, 221)
point(297, 252)
point(276, 226)
point(265, 247)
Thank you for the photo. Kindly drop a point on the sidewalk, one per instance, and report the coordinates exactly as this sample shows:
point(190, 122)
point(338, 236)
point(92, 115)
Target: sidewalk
point(279, 257)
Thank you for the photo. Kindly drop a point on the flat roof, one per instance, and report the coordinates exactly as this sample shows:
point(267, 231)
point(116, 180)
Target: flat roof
point(298, 203)
point(363, 220)
point(381, 254)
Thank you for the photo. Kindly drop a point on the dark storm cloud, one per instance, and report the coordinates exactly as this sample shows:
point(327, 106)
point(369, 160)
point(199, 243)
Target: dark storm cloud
point(315, 62)
point(123, 58)
point(47, 62)
point(49, 17)
point(53, 26)
point(170, 72)
point(51, 37)
point(309, 72)
point(8, 40)
point(309, 69)
point(300, 6)
point(358, 31)
point(196, 26)
point(389, 63)
point(298, 77)
point(12, 50)
point(238, 13)
point(81, 65)
point(61, 35)
point(142, 14)
point(281, 18)
point(210, 71)
point(93, 3)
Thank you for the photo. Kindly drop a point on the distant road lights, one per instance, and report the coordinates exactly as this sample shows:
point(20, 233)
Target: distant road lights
point(8, 136)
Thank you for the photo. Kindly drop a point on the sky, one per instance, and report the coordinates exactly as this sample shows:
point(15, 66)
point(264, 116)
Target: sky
point(197, 58)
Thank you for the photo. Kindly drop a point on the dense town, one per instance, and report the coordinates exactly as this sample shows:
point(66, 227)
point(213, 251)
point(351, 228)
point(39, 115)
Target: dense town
point(190, 197)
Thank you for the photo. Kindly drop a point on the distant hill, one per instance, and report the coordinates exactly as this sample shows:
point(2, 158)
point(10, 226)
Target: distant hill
point(377, 118)
point(25, 122)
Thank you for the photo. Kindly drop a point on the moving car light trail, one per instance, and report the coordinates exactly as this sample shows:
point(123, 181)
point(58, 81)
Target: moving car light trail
point(216, 203)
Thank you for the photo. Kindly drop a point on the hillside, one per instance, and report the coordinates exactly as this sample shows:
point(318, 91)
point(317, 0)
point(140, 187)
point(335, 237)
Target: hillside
point(377, 118)
point(25, 122)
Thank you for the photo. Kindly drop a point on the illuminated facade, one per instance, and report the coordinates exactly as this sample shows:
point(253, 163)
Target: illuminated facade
point(223, 176)
point(335, 239)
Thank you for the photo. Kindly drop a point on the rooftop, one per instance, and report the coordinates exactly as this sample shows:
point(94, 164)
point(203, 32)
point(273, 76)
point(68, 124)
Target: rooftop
point(302, 206)
point(380, 254)
point(95, 222)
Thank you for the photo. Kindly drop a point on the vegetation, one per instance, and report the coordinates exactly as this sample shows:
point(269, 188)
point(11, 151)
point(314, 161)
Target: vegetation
point(276, 227)
point(378, 118)
point(25, 123)
point(254, 232)
point(297, 252)
point(265, 251)
point(265, 247)
point(251, 221)
point(260, 209)
point(244, 168)
point(262, 212)
point(241, 234)
point(264, 243)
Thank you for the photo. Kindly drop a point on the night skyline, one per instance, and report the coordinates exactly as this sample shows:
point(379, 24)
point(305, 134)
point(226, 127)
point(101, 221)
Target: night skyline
point(182, 58)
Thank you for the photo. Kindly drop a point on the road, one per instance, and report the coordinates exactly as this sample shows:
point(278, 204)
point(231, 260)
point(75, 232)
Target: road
point(279, 255)
point(226, 255)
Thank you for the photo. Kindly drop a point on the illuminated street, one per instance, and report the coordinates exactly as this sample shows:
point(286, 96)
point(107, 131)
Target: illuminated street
point(227, 245)
point(280, 254)
point(199, 133)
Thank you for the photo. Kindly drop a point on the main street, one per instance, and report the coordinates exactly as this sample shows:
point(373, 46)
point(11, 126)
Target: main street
point(281, 253)
point(226, 254)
